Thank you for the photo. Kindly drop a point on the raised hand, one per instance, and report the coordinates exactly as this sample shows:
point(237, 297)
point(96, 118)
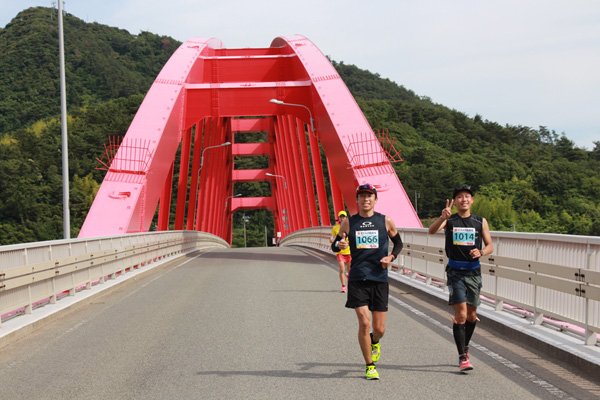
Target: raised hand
point(447, 212)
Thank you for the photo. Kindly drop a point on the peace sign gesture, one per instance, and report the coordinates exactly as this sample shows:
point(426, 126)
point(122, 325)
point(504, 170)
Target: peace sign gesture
point(447, 212)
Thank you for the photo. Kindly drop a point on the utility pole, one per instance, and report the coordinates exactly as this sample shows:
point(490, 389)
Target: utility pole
point(245, 219)
point(63, 123)
point(417, 195)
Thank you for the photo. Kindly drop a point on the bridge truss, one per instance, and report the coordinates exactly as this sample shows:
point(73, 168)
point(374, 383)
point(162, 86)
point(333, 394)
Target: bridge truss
point(203, 102)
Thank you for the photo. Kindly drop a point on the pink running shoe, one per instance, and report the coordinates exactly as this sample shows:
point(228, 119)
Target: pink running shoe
point(464, 364)
point(343, 289)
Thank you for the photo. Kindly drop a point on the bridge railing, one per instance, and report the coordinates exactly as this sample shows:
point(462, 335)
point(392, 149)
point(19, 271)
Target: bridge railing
point(34, 274)
point(549, 278)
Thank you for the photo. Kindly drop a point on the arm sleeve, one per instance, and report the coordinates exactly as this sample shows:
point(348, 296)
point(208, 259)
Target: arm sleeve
point(334, 246)
point(398, 245)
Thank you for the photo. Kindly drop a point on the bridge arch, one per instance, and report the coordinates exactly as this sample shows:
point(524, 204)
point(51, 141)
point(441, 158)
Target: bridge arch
point(206, 96)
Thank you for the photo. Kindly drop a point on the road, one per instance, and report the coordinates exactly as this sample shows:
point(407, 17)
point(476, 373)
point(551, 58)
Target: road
point(264, 324)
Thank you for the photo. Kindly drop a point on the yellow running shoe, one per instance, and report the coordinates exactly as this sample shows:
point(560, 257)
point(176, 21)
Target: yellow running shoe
point(371, 372)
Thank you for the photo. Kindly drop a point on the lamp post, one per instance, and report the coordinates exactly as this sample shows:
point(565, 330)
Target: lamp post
point(230, 197)
point(312, 120)
point(226, 200)
point(278, 176)
point(211, 147)
point(63, 126)
point(225, 210)
point(417, 196)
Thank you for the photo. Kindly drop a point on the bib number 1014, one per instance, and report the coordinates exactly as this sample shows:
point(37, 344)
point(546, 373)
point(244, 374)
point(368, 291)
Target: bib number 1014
point(463, 236)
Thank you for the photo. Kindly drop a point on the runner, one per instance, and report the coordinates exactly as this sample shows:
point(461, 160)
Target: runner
point(343, 256)
point(464, 234)
point(367, 233)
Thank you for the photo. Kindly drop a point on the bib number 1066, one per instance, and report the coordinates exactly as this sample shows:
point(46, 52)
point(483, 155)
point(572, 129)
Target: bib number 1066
point(367, 239)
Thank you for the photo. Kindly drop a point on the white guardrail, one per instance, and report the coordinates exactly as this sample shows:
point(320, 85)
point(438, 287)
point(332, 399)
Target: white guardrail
point(34, 274)
point(552, 279)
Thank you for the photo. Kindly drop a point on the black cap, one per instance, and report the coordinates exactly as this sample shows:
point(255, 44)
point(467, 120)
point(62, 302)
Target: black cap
point(462, 188)
point(366, 187)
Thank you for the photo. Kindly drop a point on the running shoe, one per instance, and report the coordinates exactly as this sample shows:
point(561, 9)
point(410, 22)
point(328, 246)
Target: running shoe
point(372, 372)
point(464, 364)
point(343, 289)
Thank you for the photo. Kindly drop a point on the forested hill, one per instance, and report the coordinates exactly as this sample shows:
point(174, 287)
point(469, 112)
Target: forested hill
point(526, 179)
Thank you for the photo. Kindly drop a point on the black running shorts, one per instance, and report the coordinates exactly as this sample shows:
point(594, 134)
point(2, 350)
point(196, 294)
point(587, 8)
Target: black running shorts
point(368, 293)
point(463, 288)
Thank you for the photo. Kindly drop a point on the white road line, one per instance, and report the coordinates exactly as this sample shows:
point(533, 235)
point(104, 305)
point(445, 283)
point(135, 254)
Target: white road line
point(516, 368)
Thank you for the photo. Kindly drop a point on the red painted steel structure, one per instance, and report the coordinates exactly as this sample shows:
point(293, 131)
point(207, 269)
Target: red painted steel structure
point(202, 100)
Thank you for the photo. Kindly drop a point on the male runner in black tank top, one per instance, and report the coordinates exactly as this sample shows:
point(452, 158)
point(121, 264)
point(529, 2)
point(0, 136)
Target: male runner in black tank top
point(367, 234)
point(465, 233)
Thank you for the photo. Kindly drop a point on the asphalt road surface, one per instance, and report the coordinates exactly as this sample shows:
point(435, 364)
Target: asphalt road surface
point(264, 323)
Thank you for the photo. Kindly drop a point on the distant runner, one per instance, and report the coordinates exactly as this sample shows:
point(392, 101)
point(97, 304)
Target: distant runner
point(366, 234)
point(343, 256)
point(464, 234)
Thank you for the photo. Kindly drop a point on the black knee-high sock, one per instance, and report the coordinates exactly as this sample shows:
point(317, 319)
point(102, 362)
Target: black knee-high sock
point(469, 329)
point(373, 341)
point(459, 337)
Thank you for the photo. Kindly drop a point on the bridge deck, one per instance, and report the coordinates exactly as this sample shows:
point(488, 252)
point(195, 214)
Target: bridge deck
point(262, 323)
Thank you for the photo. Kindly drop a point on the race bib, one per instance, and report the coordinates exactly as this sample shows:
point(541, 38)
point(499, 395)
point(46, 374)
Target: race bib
point(367, 239)
point(463, 237)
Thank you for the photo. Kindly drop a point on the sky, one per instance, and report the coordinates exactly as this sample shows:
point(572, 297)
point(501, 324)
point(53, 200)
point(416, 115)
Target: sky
point(518, 62)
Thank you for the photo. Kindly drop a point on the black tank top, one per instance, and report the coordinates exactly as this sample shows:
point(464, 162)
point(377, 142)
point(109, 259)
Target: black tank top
point(369, 242)
point(462, 236)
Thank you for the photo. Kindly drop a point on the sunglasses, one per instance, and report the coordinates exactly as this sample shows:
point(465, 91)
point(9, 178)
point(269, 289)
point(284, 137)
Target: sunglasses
point(462, 187)
point(366, 186)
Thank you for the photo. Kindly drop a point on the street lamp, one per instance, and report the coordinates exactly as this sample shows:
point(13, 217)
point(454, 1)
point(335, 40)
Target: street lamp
point(226, 200)
point(312, 120)
point(237, 195)
point(278, 176)
point(63, 126)
point(210, 147)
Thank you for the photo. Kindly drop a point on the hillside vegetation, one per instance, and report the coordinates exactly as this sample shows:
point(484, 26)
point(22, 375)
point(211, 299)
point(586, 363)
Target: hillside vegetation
point(526, 179)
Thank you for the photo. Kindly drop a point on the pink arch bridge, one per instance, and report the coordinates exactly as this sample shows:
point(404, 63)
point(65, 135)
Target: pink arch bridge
point(205, 98)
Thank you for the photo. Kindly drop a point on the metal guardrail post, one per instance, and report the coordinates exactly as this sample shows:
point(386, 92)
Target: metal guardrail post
point(538, 317)
point(590, 337)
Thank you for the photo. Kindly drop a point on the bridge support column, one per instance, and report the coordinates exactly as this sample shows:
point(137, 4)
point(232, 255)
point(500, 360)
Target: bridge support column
point(184, 169)
point(315, 154)
point(336, 193)
point(164, 210)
